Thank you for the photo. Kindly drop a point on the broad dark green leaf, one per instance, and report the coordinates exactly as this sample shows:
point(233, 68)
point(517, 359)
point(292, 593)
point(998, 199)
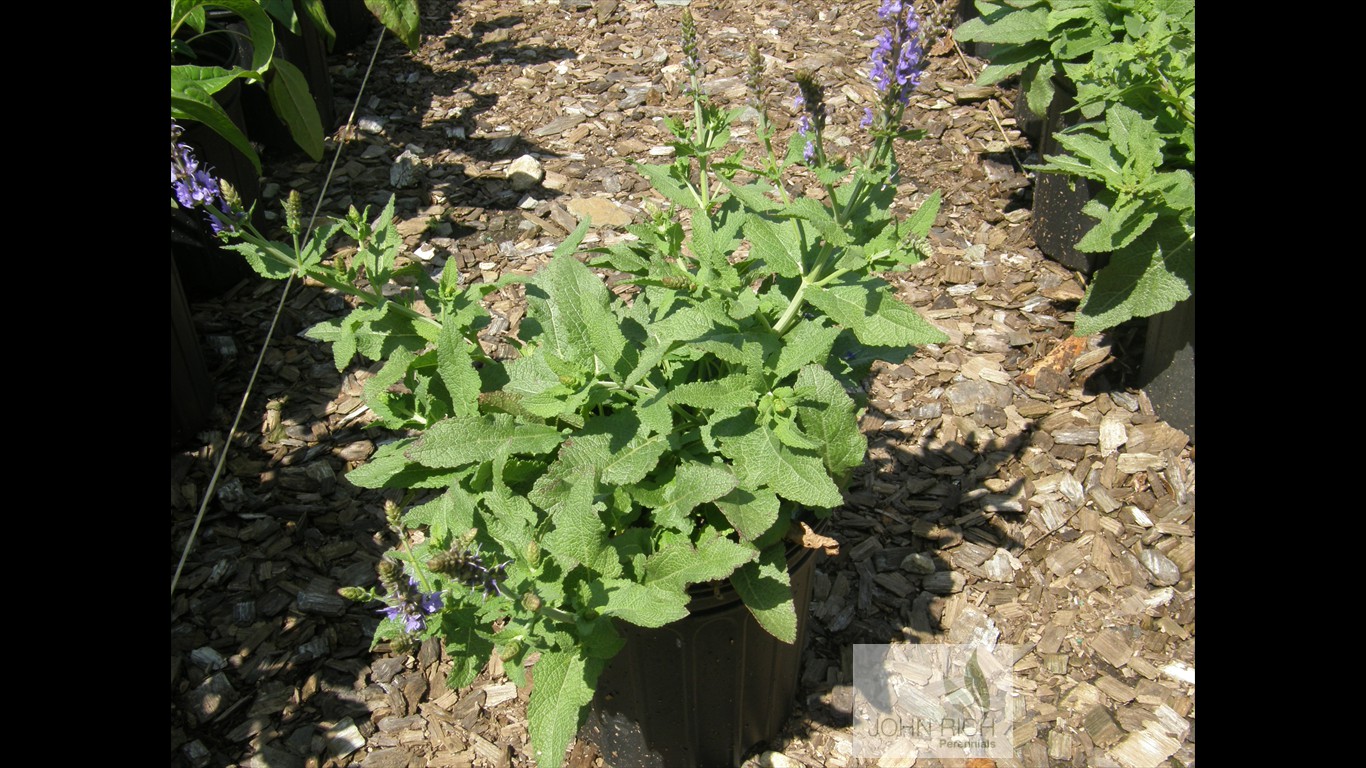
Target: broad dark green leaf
point(564, 687)
point(877, 318)
point(766, 589)
point(645, 605)
point(289, 96)
point(400, 17)
point(679, 564)
point(462, 440)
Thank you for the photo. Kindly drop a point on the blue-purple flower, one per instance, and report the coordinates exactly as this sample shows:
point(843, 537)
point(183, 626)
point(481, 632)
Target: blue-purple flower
point(897, 60)
point(410, 605)
point(810, 100)
point(196, 187)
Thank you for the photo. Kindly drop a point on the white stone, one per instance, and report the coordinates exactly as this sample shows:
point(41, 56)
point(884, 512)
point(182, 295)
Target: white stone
point(524, 173)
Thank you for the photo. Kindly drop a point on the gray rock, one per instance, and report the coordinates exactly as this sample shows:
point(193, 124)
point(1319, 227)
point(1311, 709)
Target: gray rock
point(965, 396)
point(525, 172)
point(403, 173)
point(917, 562)
point(370, 125)
point(1164, 571)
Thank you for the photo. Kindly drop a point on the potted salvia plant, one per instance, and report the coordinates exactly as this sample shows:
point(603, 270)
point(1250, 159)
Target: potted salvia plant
point(688, 429)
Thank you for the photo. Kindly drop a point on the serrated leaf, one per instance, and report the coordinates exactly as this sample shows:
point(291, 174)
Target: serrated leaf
point(454, 366)
point(450, 514)
point(563, 688)
point(827, 413)
point(389, 468)
point(777, 245)
point(1005, 25)
point(462, 440)
point(1141, 280)
point(634, 461)
point(579, 536)
point(469, 650)
point(809, 341)
point(919, 223)
point(820, 217)
point(753, 196)
point(662, 179)
point(375, 390)
point(645, 605)
point(509, 519)
point(693, 484)
point(761, 459)
point(877, 318)
point(792, 436)
point(679, 564)
point(766, 589)
point(575, 308)
point(726, 395)
point(750, 513)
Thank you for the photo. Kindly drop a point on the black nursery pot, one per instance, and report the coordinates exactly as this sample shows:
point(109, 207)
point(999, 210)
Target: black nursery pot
point(1058, 199)
point(704, 690)
point(351, 21)
point(1168, 372)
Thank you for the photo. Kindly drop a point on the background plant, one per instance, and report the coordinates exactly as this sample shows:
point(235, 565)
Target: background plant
point(194, 84)
point(1132, 64)
point(638, 445)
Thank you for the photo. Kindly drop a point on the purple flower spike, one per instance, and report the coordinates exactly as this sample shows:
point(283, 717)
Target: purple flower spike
point(897, 59)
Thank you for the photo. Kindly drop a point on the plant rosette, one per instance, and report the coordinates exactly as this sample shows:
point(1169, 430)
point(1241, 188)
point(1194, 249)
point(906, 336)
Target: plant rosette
point(674, 431)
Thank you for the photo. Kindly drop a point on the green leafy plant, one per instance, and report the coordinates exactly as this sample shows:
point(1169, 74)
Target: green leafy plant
point(1037, 39)
point(193, 84)
point(677, 430)
point(1132, 65)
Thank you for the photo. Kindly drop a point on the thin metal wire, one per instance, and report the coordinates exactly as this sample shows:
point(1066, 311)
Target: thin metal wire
point(270, 334)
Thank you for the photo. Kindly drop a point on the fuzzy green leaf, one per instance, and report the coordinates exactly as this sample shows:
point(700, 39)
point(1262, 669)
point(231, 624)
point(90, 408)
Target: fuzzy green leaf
point(575, 308)
point(766, 589)
point(634, 461)
point(450, 514)
point(389, 468)
point(919, 223)
point(1145, 278)
point(808, 342)
point(761, 459)
point(462, 440)
point(678, 564)
point(693, 484)
point(662, 179)
point(776, 244)
point(751, 513)
point(726, 395)
point(645, 605)
point(579, 535)
point(469, 650)
point(827, 413)
point(564, 683)
point(877, 318)
point(375, 391)
point(457, 371)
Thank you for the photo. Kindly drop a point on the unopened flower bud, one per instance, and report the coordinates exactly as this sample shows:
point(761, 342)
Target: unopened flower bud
point(389, 572)
point(294, 211)
point(533, 553)
point(510, 651)
point(393, 516)
point(531, 602)
point(354, 593)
